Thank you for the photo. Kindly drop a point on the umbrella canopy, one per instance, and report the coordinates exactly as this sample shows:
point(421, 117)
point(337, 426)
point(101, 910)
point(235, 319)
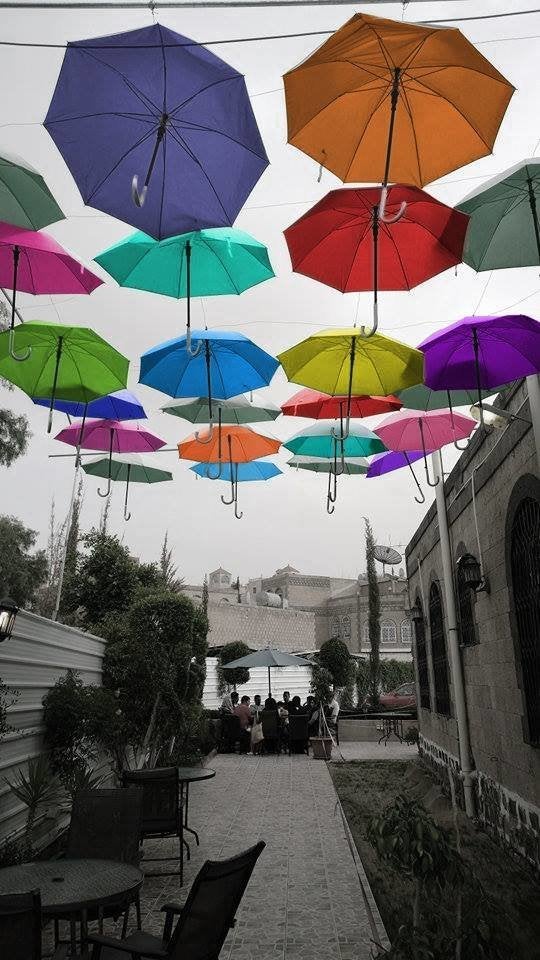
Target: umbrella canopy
point(504, 226)
point(414, 430)
point(322, 406)
point(242, 444)
point(129, 468)
point(25, 199)
point(392, 460)
point(482, 352)
point(319, 441)
point(152, 107)
point(65, 363)
point(111, 435)
point(388, 101)
point(235, 410)
point(350, 466)
point(424, 398)
point(120, 405)
point(241, 472)
point(268, 658)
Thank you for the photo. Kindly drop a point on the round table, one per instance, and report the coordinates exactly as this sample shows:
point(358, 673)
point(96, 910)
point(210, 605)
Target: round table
point(70, 889)
point(187, 775)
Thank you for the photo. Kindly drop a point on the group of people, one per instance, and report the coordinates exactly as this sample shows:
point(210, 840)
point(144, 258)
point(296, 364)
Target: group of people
point(250, 716)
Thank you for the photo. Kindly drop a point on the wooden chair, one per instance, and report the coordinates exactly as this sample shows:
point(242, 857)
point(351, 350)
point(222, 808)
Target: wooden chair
point(161, 810)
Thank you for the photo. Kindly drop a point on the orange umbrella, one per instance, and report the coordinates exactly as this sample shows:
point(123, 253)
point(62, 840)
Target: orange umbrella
point(387, 101)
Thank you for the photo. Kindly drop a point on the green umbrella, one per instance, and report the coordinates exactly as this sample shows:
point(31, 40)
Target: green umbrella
point(129, 468)
point(203, 263)
point(351, 466)
point(504, 227)
point(25, 199)
point(65, 363)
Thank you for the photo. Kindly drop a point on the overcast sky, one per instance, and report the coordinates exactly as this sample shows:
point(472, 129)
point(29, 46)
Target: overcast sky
point(285, 520)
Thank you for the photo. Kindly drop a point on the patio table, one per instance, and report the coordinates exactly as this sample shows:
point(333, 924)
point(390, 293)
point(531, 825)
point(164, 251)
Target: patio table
point(392, 724)
point(71, 889)
point(187, 775)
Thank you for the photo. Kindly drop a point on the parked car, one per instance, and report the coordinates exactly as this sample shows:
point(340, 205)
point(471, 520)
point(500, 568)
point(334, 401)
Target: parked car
point(402, 698)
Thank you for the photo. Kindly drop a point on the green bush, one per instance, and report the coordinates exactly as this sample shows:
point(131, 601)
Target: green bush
point(65, 717)
point(232, 678)
point(334, 656)
point(395, 672)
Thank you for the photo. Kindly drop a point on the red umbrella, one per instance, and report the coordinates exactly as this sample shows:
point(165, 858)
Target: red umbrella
point(343, 243)
point(321, 406)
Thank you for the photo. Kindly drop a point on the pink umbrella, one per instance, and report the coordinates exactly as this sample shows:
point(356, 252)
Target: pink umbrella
point(32, 261)
point(113, 436)
point(424, 430)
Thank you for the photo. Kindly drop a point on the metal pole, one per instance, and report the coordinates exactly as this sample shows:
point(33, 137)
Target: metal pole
point(453, 639)
point(66, 542)
point(533, 389)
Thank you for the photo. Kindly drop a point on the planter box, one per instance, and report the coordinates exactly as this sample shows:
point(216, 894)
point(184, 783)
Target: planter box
point(322, 747)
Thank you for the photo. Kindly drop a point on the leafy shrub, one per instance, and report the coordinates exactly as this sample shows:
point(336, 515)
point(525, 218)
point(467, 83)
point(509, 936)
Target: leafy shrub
point(14, 851)
point(65, 716)
point(334, 656)
point(227, 678)
point(38, 789)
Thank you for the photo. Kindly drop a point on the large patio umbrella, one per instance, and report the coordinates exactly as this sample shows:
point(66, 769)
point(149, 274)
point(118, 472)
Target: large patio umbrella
point(504, 228)
point(151, 105)
point(25, 199)
point(205, 263)
point(384, 101)
point(110, 436)
point(268, 658)
point(343, 243)
point(129, 468)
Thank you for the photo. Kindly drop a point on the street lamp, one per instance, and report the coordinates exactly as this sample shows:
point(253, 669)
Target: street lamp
point(8, 613)
point(471, 573)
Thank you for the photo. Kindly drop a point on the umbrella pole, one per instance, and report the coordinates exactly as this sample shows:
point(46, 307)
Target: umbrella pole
point(81, 434)
point(421, 492)
point(189, 349)
point(108, 490)
point(127, 516)
point(345, 433)
point(424, 451)
point(394, 96)
point(223, 500)
point(329, 502)
point(139, 198)
point(375, 230)
point(209, 392)
point(220, 463)
point(241, 514)
point(269, 684)
point(534, 212)
point(14, 312)
point(55, 383)
point(477, 372)
point(456, 444)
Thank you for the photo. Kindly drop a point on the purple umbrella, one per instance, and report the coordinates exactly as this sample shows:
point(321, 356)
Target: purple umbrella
point(482, 353)
point(151, 105)
point(391, 460)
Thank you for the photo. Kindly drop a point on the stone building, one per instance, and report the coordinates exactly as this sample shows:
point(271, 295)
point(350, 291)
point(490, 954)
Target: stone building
point(496, 482)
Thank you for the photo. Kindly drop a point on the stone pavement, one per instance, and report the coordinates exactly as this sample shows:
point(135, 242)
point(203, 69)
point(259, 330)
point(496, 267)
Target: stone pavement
point(308, 897)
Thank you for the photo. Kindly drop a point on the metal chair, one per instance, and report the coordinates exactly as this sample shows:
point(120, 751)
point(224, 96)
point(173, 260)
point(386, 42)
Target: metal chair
point(162, 810)
point(20, 926)
point(204, 920)
point(298, 734)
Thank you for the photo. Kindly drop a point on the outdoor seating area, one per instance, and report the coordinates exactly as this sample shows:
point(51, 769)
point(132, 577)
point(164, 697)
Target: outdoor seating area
point(277, 726)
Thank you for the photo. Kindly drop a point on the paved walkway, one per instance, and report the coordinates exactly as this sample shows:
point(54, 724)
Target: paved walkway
point(305, 899)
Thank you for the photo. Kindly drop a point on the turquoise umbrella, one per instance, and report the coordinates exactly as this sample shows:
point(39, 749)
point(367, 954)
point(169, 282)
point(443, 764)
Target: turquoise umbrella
point(203, 263)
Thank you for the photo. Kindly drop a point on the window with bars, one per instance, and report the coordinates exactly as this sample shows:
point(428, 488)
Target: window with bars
point(421, 659)
point(388, 632)
point(466, 603)
point(405, 632)
point(438, 651)
point(525, 569)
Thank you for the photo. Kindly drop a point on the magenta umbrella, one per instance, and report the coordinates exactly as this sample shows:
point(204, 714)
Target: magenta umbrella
point(112, 436)
point(426, 431)
point(32, 261)
point(391, 460)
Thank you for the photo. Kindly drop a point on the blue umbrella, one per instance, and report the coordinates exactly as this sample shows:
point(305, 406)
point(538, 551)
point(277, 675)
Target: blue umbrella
point(154, 106)
point(121, 405)
point(222, 365)
point(240, 472)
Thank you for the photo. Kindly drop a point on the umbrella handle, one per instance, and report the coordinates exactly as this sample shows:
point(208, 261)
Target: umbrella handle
point(218, 474)
point(108, 490)
point(369, 333)
point(329, 506)
point(19, 357)
point(210, 434)
point(138, 198)
point(227, 502)
point(127, 513)
point(383, 216)
point(422, 498)
point(428, 481)
point(192, 352)
point(456, 444)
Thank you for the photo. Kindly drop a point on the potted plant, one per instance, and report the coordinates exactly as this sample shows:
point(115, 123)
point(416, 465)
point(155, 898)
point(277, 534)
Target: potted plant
point(321, 689)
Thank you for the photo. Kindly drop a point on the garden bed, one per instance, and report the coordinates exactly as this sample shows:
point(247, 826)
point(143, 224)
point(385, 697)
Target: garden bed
point(510, 893)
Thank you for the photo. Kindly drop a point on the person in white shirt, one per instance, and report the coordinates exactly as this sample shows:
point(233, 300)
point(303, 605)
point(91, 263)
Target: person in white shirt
point(332, 713)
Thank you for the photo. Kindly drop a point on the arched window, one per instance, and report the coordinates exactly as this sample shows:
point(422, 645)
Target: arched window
point(365, 634)
point(388, 632)
point(405, 632)
point(346, 624)
point(466, 602)
point(334, 628)
point(438, 651)
point(525, 571)
point(421, 659)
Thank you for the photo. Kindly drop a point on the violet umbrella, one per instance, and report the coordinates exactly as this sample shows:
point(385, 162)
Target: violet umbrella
point(152, 104)
point(391, 460)
point(34, 262)
point(111, 436)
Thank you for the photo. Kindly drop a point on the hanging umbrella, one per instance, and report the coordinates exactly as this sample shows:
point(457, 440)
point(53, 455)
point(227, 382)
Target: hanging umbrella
point(35, 263)
point(25, 199)
point(111, 436)
point(392, 460)
point(152, 104)
point(268, 658)
point(235, 410)
point(128, 468)
point(205, 263)
point(343, 243)
point(483, 353)
point(424, 398)
point(223, 366)
point(346, 362)
point(64, 363)
point(322, 406)
point(395, 102)
point(120, 405)
point(240, 472)
point(349, 466)
point(416, 430)
point(504, 226)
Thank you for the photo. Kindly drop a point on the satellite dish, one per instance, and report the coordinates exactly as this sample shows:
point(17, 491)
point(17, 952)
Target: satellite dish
point(387, 555)
point(491, 418)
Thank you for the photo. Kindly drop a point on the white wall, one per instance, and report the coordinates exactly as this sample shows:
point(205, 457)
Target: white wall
point(294, 679)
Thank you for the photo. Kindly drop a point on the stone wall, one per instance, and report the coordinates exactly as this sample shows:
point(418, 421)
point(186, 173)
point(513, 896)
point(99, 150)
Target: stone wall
point(504, 760)
point(288, 630)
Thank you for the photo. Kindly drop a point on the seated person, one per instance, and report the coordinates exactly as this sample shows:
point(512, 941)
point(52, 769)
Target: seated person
point(229, 702)
point(282, 710)
point(270, 704)
point(295, 705)
point(286, 699)
point(332, 712)
point(312, 711)
point(243, 712)
point(256, 707)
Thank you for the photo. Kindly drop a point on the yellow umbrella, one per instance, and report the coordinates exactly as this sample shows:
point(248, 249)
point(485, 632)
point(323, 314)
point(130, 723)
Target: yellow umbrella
point(347, 362)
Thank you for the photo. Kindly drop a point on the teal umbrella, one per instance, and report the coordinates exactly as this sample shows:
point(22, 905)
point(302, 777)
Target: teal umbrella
point(203, 263)
point(25, 199)
point(504, 226)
